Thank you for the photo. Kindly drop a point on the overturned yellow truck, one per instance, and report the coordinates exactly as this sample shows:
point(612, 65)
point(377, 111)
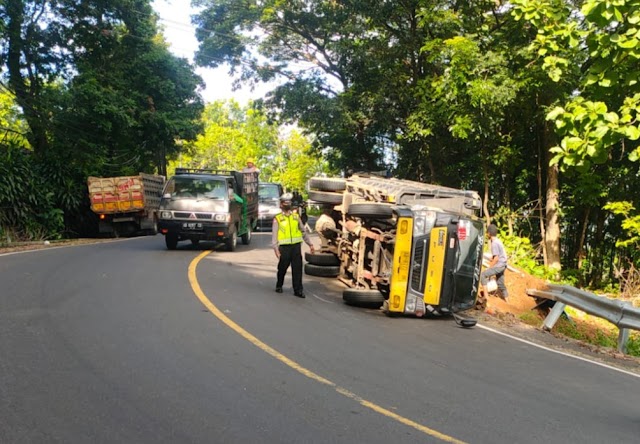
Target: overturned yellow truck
point(408, 247)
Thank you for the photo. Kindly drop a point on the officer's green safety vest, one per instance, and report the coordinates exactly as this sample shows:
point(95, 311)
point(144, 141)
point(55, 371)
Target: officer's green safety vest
point(288, 229)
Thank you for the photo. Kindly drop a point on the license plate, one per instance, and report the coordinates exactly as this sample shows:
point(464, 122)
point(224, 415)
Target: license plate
point(192, 225)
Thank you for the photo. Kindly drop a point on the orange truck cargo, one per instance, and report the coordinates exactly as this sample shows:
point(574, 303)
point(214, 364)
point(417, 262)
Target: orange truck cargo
point(126, 204)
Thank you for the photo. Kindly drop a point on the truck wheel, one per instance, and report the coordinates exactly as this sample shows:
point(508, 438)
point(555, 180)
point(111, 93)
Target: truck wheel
point(327, 184)
point(321, 270)
point(362, 298)
point(231, 241)
point(322, 259)
point(327, 197)
point(370, 210)
point(171, 240)
point(246, 237)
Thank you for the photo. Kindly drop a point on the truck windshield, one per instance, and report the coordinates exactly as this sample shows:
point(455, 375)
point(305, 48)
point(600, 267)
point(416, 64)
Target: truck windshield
point(196, 187)
point(268, 191)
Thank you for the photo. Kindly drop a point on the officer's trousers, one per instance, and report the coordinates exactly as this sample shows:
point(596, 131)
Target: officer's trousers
point(290, 255)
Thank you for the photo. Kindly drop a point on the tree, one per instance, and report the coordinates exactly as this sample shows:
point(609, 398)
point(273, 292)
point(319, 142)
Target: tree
point(344, 82)
point(599, 122)
point(603, 113)
point(98, 89)
point(12, 127)
point(109, 68)
point(234, 133)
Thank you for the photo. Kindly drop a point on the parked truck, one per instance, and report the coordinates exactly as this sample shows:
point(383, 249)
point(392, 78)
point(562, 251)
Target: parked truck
point(209, 205)
point(268, 204)
point(408, 247)
point(127, 204)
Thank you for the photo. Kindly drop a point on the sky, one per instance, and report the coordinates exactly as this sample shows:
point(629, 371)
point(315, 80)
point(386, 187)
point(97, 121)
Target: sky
point(175, 18)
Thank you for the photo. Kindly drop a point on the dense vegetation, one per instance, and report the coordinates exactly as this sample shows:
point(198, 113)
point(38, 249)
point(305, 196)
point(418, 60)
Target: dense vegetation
point(532, 102)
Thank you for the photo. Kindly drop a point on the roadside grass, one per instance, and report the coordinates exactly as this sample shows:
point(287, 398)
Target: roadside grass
point(586, 328)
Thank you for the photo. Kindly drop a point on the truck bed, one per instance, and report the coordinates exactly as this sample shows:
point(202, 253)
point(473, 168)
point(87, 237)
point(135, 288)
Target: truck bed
point(125, 194)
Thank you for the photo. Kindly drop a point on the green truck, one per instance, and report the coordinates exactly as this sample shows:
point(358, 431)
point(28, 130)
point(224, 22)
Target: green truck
point(209, 205)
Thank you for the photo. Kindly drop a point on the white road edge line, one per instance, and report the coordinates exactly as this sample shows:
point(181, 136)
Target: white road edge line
point(543, 347)
point(56, 247)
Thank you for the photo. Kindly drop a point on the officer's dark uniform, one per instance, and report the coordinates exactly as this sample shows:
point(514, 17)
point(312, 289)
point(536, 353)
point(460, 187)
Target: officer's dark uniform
point(287, 236)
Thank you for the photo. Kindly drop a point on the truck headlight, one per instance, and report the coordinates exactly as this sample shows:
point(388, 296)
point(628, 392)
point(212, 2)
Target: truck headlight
point(165, 215)
point(423, 222)
point(222, 217)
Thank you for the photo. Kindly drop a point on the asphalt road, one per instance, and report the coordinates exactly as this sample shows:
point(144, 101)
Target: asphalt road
point(126, 342)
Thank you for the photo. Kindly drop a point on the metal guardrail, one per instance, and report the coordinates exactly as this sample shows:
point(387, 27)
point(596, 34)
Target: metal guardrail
point(620, 313)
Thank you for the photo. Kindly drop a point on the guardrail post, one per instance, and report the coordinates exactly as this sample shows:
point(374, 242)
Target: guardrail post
point(553, 315)
point(623, 337)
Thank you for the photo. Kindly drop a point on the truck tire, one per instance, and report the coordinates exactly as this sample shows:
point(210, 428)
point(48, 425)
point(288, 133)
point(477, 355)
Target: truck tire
point(321, 270)
point(327, 197)
point(154, 228)
point(362, 298)
point(370, 210)
point(171, 240)
point(246, 237)
point(322, 259)
point(327, 184)
point(232, 240)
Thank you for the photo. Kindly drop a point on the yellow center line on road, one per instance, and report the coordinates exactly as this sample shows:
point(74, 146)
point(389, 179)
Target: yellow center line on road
point(193, 280)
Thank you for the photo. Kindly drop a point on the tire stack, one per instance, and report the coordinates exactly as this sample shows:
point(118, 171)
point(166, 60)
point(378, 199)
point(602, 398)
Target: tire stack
point(322, 264)
point(326, 190)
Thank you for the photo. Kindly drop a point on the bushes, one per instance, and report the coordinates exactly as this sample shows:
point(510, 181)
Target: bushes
point(28, 209)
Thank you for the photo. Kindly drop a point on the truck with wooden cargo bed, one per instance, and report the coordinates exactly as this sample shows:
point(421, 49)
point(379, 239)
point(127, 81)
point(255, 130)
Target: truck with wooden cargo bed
point(209, 205)
point(408, 247)
point(126, 204)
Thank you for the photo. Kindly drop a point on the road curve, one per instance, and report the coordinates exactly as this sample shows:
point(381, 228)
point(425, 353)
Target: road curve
point(128, 342)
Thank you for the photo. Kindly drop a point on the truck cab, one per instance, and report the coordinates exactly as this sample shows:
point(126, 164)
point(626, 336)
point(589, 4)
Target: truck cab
point(268, 203)
point(208, 205)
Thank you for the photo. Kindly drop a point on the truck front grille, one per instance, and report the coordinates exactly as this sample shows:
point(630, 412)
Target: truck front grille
point(191, 215)
point(417, 265)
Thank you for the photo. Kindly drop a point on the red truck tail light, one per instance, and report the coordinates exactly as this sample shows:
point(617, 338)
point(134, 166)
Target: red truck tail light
point(464, 227)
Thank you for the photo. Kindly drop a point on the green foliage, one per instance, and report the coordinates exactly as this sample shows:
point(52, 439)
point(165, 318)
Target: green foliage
point(602, 40)
point(342, 80)
point(523, 255)
point(12, 126)
point(633, 344)
point(28, 209)
point(96, 92)
point(630, 223)
point(531, 318)
point(233, 134)
point(586, 332)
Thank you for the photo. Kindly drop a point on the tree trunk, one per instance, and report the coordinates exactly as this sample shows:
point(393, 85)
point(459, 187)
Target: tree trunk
point(583, 234)
point(552, 232)
point(552, 235)
point(485, 197)
point(26, 92)
point(598, 256)
point(541, 149)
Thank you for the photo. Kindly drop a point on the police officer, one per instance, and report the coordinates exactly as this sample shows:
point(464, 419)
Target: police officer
point(287, 236)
